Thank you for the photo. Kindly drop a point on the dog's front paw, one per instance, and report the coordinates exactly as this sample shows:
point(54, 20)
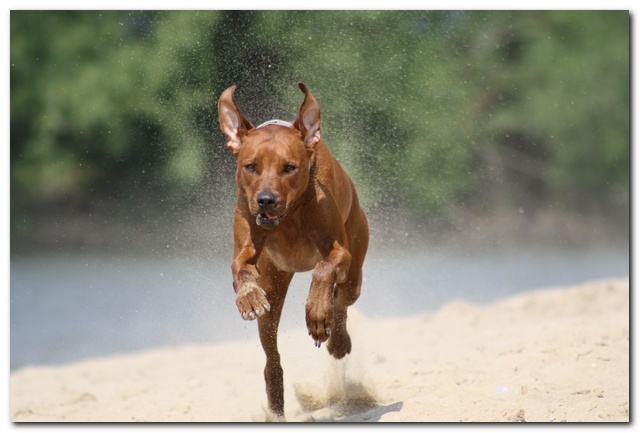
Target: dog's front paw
point(319, 318)
point(252, 301)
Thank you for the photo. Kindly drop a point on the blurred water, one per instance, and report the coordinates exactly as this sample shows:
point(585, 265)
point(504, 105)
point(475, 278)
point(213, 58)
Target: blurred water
point(72, 307)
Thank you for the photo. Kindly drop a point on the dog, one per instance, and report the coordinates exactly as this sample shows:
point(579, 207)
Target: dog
point(296, 210)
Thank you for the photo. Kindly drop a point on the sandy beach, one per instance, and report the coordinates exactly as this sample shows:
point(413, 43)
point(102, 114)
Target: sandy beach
point(549, 355)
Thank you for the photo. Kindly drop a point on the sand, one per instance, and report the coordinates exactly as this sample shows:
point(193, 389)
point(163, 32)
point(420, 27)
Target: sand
point(550, 355)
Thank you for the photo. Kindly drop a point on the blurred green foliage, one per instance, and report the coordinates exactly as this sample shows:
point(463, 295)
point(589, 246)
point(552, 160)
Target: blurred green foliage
point(431, 111)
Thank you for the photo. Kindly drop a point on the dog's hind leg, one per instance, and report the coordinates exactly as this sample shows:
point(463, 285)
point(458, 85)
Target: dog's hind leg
point(275, 283)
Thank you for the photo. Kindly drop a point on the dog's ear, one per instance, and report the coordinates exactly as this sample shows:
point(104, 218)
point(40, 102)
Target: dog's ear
point(232, 123)
point(308, 121)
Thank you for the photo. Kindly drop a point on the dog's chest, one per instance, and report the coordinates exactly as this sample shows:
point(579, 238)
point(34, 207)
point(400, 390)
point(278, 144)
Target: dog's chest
point(292, 252)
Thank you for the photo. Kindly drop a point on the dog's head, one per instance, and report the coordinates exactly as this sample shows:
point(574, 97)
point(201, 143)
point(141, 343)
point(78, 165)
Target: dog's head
point(273, 161)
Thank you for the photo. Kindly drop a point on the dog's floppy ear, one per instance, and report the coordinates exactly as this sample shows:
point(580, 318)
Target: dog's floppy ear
point(232, 123)
point(308, 121)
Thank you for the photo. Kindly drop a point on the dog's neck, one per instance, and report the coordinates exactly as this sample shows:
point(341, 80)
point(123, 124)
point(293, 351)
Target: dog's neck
point(275, 122)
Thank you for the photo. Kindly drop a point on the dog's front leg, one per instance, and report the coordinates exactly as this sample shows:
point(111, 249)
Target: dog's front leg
point(251, 299)
point(319, 308)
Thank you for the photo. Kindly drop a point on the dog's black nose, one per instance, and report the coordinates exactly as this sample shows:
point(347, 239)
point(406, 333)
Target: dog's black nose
point(266, 201)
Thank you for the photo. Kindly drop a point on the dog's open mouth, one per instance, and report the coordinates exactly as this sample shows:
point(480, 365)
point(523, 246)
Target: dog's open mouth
point(267, 220)
point(268, 216)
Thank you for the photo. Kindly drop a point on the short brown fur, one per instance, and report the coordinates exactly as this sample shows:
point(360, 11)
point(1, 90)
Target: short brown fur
point(297, 210)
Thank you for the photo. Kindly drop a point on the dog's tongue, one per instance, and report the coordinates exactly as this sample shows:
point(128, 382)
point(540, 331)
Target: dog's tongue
point(271, 216)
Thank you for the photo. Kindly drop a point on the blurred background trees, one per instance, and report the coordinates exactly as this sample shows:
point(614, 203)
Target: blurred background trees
point(436, 113)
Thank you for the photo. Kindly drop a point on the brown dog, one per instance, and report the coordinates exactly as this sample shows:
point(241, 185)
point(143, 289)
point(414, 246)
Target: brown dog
point(296, 210)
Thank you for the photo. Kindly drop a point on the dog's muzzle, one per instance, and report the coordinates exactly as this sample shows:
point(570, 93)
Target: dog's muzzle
point(266, 218)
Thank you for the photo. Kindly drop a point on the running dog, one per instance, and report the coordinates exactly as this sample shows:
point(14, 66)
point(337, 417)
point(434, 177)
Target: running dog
point(297, 210)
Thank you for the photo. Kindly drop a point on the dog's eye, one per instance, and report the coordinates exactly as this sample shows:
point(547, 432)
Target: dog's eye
point(250, 168)
point(289, 168)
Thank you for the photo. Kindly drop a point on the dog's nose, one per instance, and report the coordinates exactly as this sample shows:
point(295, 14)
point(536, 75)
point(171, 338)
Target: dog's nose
point(266, 201)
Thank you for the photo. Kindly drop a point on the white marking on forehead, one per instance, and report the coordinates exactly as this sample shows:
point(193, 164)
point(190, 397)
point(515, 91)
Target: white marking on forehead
point(276, 122)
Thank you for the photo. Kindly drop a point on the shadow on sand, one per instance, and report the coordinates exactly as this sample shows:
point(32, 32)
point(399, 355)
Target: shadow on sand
point(372, 415)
